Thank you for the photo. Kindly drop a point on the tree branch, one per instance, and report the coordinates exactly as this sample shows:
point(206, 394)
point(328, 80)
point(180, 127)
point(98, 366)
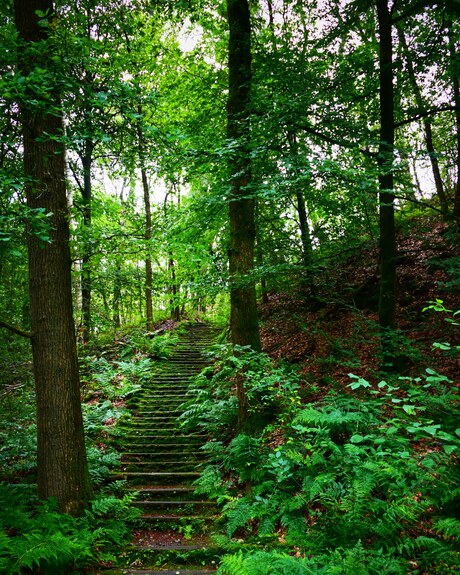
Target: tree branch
point(425, 114)
point(16, 330)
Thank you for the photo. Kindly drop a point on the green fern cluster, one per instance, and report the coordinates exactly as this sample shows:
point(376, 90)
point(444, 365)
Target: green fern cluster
point(34, 536)
point(372, 466)
point(213, 405)
point(354, 561)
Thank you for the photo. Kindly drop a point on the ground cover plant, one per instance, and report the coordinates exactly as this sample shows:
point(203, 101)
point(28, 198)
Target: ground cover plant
point(361, 477)
point(35, 537)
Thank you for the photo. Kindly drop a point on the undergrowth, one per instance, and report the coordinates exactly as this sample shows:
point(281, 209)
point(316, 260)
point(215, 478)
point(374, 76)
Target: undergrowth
point(34, 536)
point(37, 538)
point(359, 481)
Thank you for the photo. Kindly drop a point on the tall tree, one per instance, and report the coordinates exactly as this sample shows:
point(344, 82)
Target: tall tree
point(243, 320)
point(455, 76)
point(388, 252)
point(427, 121)
point(62, 465)
point(243, 313)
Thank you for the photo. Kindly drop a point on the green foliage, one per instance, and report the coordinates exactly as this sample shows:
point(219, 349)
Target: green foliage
point(101, 460)
point(450, 317)
point(17, 434)
point(157, 347)
point(368, 466)
point(270, 389)
point(354, 561)
point(35, 536)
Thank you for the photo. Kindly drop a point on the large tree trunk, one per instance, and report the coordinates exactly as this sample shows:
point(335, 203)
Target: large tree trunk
point(244, 322)
point(62, 466)
point(388, 255)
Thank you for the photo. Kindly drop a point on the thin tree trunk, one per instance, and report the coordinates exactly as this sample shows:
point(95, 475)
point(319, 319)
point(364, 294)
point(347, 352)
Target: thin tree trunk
point(148, 260)
point(116, 302)
point(174, 290)
point(388, 254)
point(426, 125)
point(62, 470)
point(86, 280)
point(455, 59)
point(305, 236)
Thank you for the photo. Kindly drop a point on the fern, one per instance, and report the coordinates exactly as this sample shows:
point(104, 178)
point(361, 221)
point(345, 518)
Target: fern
point(232, 565)
point(244, 456)
point(238, 513)
point(449, 527)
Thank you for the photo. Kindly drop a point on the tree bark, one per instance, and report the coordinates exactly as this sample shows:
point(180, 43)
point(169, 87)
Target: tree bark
point(244, 323)
point(174, 290)
point(305, 237)
point(61, 464)
point(388, 252)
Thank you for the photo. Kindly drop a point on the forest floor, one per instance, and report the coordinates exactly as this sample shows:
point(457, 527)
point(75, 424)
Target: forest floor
point(336, 332)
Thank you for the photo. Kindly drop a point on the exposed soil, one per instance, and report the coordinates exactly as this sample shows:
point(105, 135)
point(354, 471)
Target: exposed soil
point(341, 322)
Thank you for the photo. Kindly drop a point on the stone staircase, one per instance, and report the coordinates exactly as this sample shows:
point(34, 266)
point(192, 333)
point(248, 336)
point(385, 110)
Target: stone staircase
point(160, 461)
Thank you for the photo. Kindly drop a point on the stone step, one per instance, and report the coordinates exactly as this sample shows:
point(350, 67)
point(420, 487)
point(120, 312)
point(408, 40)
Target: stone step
point(179, 570)
point(183, 448)
point(160, 492)
point(160, 461)
point(153, 432)
point(165, 454)
point(158, 466)
point(151, 423)
point(169, 386)
point(175, 506)
point(176, 517)
point(147, 416)
point(160, 398)
point(160, 478)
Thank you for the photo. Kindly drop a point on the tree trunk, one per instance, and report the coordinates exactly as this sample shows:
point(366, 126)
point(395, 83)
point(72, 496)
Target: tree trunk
point(244, 323)
point(243, 318)
point(174, 290)
point(426, 125)
point(305, 236)
point(388, 255)
point(455, 63)
point(148, 260)
point(86, 287)
point(61, 457)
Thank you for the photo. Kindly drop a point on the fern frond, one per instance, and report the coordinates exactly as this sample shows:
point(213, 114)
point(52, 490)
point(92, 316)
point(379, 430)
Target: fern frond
point(449, 527)
point(232, 565)
point(238, 512)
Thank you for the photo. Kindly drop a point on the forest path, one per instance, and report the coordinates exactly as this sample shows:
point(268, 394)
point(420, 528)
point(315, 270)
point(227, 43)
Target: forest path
point(160, 461)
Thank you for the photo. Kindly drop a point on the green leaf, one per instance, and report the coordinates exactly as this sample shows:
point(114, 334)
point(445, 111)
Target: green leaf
point(409, 409)
point(357, 438)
